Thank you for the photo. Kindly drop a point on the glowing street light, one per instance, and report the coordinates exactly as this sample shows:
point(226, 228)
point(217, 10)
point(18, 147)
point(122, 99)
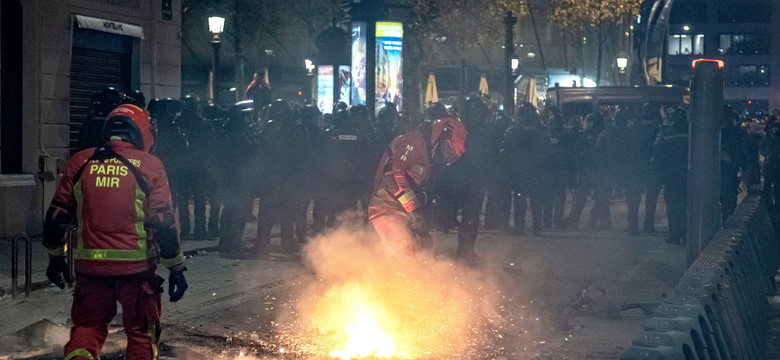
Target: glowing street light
point(622, 63)
point(216, 27)
point(309, 66)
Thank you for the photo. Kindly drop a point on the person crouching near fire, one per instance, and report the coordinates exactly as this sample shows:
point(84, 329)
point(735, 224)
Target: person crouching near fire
point(398, 209)
point(118, 196)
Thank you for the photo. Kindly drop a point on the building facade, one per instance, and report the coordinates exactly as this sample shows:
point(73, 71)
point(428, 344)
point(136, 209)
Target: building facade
point(745, 34)
point(56, 54)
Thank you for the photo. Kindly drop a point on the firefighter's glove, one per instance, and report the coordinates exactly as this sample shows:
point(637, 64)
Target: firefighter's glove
point(58, 270)
point(419, 217)
point(177, 284)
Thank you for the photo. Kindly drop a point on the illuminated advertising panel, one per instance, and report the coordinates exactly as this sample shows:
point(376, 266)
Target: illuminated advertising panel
point(325, 89)
point(358, 83)
point(344, 84)
point(389, 83)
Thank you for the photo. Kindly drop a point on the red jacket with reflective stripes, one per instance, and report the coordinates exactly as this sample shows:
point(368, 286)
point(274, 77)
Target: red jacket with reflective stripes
point(404, 167)
point(123, 226)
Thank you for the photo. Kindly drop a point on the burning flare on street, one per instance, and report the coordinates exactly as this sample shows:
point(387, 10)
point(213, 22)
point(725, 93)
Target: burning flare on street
point(368, 306)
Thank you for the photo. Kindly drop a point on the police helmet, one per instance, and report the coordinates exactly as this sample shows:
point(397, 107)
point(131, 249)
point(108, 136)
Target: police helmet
point(388, 114)
point(436, 111)
point(278, 111)
point(527, 113)
point(190, 102)
point(137, 98)
point(474, 110)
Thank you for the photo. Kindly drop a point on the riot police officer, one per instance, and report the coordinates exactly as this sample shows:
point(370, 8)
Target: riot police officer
point(100, 105)
point(469, 176)
point(499, 201)
point(236, 152)
point(526, 151)
point(280, 162)
point(670, 161)
point(584, 147)
point(200, 140)
point(611, 163)
point(733, 159)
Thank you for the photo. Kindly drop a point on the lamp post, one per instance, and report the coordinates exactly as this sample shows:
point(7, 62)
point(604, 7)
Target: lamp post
point(509, 50)
point(216, 26)
point(515, 64)
point(312, 88)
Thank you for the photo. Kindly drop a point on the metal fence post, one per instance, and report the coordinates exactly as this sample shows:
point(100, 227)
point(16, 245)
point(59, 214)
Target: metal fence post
point(15, 264)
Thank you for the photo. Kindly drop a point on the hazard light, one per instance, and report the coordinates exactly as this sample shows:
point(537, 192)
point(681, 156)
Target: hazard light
point(721, 63)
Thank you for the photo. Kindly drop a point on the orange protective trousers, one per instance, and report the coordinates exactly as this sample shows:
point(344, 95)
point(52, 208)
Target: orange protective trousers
point(94, 306)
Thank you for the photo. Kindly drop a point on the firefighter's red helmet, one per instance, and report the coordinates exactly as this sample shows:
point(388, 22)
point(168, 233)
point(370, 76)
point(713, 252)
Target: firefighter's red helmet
point(131, 123)
point(448, 140)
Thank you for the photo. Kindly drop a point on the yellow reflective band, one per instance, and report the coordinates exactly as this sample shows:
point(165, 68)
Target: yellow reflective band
point(79, 214)
point(140, 253)
point(79, 353)
point(169, 263)
point(419, 169)
point(407, 197)
point(140, 199)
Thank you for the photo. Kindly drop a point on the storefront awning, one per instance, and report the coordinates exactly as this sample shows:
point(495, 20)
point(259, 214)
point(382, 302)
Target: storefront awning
point(111, 26)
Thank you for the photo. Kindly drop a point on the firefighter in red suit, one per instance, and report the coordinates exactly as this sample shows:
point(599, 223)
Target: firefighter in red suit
point(397, 206)
point(118, 196)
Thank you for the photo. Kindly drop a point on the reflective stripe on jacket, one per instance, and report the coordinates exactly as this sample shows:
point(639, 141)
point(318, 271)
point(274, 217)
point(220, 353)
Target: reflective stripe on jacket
point(119, 222)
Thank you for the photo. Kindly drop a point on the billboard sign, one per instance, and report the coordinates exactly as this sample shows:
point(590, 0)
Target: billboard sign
point(344, 85)
point(389, 80)
point(325, 89)
point(358, 83)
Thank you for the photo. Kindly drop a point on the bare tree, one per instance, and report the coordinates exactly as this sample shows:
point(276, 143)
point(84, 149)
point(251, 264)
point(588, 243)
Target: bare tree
point(577, 17)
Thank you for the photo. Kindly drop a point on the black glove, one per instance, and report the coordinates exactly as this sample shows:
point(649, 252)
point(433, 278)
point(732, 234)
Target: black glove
point(57, 270)
point(177, 284)
point(419, 218)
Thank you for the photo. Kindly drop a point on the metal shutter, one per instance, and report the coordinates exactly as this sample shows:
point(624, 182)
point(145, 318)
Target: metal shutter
point(91, 71)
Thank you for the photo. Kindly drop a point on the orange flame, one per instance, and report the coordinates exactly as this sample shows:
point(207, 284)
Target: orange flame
point(366, 339)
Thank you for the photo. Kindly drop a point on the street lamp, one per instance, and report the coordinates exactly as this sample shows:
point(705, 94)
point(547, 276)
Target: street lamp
point(622, 63)
point(216, 26)
point(309, 66)
point(515, 63)
point(509, 50)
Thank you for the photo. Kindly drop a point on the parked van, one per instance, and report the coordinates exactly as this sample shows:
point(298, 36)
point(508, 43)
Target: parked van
point(583, 100)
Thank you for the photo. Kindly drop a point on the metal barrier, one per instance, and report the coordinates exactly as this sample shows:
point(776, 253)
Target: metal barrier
point(719, 311)
point(15, 264)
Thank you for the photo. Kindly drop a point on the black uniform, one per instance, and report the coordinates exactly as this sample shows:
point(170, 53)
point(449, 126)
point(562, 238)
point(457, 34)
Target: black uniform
point(639, 176)
point(197, 177)
point(280, 160)
point(469, 176)
point(236, 152)
point(611, 159)
point(499, 202)
point(584, 149)
point(345, 167)
point(555, 191)
point(733, 159)
point(670, 161)
point(526, 151)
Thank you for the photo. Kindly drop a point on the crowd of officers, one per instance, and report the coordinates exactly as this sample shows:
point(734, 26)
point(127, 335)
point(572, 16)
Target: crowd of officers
point(292, 157)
